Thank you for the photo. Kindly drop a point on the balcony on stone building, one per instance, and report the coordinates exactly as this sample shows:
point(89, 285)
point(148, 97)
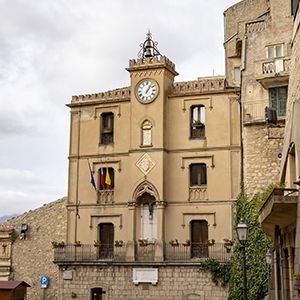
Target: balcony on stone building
point(198, 193)
point(105, 196)
point(273, 72)
point(279, 209)
point(143, 253)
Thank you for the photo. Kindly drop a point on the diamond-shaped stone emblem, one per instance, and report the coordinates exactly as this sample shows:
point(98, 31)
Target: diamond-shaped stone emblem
point(145, 163)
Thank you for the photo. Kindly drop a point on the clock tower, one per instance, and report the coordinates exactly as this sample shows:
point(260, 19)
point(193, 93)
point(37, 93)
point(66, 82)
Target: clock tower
point(152, 76)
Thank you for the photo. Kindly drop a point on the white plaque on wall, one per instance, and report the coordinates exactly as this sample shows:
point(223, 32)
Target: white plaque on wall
point(145, 275)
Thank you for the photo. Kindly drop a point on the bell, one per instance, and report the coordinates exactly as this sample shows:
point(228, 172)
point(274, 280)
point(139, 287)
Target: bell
point(148, 52)
point(147, 49)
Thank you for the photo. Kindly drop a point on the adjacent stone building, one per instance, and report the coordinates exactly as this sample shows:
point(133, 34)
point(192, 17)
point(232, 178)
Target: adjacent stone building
point(280, 215)
point(26, 255)
point(258, 49)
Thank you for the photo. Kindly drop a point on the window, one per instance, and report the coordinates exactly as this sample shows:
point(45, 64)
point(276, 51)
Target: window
point(198, 122)
point(294, 7)
point(107, 128)
point(146, 133)
point(278, 98)
point(274, 51)
point(198, 174)
point(106, 179)
point(237, 74)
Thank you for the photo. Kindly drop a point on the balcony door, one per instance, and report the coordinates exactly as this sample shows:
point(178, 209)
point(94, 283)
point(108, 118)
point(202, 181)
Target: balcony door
point(199, 237)
point(106, 232)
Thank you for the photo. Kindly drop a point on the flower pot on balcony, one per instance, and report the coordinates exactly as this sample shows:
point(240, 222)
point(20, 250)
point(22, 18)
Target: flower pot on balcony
point(210, 242)
point(97, 243)
point(187, 243)
point(143, 243)
point(77, 244)
point(119, 243)
point(174, 243)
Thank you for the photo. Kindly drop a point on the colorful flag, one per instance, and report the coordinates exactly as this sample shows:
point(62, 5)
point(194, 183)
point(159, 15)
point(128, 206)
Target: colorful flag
point(92, 177)
point(107, 178)
point(102, 179)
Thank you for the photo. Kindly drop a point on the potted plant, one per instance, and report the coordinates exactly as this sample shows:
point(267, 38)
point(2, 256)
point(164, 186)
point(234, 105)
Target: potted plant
point(97, 243)
point(58, 244)
point(77, 244)
point(228, 245)
point(198, 123)
point(143, 242)
point(119, 243)
point(174, 243)
point(210, 242)
point(187, 243)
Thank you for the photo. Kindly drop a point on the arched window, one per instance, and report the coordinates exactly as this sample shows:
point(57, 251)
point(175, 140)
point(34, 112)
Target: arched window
point(197, 122)
point(146, 133)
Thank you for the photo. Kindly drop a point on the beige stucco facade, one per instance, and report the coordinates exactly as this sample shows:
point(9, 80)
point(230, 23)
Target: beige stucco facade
point(155, 196)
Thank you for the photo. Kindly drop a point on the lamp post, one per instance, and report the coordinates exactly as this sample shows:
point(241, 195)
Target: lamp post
point(242, 233)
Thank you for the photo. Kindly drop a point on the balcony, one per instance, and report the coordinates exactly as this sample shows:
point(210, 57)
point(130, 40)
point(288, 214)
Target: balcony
point(198, 193)
point(280, 209)
point(273, 72)
point(105, 196)
point(181, 253)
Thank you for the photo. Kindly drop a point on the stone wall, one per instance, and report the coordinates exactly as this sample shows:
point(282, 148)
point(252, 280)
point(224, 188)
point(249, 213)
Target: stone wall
point(261, 161)
point(174, 283)
point(32, 257)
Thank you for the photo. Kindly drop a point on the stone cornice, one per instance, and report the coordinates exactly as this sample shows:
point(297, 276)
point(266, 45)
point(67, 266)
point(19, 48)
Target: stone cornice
point(204, 85)
point(178, 150)
point(120, 94)
point(201, 86)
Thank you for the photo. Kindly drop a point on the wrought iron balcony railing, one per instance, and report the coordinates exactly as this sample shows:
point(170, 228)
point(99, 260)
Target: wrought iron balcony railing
point(181, 252)
point(81, 253)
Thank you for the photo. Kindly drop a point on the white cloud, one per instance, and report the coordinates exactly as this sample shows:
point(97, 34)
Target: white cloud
point(51, 50)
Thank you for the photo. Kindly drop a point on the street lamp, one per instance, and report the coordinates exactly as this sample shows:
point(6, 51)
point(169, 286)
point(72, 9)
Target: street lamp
point(242, 233)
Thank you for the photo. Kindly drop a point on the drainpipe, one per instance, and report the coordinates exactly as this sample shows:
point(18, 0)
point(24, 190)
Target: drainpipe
point(243, 67)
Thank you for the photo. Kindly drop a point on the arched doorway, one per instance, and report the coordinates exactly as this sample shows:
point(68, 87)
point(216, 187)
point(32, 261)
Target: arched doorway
point(147, 214)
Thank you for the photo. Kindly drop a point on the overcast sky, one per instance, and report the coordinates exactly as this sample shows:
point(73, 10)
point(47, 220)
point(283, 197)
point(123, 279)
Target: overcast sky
point(53, 49)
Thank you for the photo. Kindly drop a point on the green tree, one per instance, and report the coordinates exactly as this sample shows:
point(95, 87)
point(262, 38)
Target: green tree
point(257, 246)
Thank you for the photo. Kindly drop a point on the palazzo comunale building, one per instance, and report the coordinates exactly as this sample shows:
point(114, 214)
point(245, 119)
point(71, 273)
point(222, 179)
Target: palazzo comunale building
point(153, 175)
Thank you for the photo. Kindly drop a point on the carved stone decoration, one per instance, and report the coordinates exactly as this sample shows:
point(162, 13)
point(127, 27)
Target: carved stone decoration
point(145, 163)
point(145, 188)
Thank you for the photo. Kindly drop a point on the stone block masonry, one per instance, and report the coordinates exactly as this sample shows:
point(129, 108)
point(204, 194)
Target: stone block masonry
point(174, 283)
point(32, 257)
point(261, 150)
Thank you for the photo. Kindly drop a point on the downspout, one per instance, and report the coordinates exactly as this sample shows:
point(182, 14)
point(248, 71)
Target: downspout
point(243, 67)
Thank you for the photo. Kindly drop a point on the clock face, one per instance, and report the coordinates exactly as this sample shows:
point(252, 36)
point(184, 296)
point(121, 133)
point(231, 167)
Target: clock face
point(147, 90)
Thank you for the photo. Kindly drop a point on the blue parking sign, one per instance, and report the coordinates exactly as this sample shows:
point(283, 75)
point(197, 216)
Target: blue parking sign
point(44, 281)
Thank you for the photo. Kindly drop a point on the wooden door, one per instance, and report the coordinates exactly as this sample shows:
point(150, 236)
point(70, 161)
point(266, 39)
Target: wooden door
point(97, 293)
point(199, 237)
point(106, 232)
